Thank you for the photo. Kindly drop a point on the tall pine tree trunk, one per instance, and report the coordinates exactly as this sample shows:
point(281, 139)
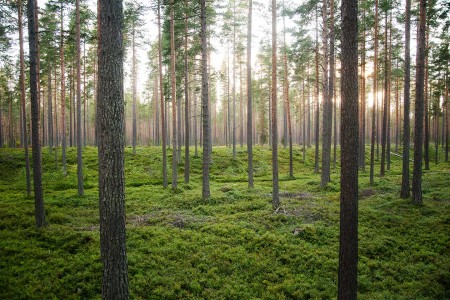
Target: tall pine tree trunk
point(249, 96)
point(275, 196)
point(405, 192)
point(111, 145)
point(22, 101)
point(375, 98)
point(187, 117)
point(63, 94)
point(79, 143)
point(39, 211)
point(174, 96)
point(348, 239)
point(419, 105)
point(206, 160)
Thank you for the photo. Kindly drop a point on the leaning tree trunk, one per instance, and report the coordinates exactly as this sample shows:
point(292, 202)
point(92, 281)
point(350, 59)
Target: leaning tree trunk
point(110, 120)
point(34, 93)
point(418, 120)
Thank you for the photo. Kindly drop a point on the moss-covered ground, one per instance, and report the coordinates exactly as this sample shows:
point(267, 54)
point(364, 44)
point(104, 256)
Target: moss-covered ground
point(232, 247)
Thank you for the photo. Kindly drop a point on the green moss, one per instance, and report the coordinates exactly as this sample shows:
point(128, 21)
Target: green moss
point(231, 247)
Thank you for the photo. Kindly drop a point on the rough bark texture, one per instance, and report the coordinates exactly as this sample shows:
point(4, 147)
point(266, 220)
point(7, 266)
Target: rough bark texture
point(206, 160)
point(174, 97)
point(79, 143)
point(418, 116)
point(348, 240)
point(111, 151)
point(161, 94)
point(249, 96)
point(39, 211)
point(22, 100)
point(405, 192)
point(275, 196)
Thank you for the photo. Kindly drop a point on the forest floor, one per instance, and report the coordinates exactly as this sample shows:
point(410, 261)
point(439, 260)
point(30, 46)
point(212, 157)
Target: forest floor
point(232, 247)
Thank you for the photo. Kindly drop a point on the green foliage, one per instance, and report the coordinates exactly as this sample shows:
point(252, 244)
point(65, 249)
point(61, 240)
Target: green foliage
point(231, 247)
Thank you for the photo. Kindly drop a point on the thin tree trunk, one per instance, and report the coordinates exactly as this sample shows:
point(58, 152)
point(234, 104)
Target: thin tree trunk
point(134, 87)
point(275, 196)
point(161, 94)
point(405, 190)
point(79, 143)
point(286, 103)
point(331, 85)
point(249, 96)
point(385, 100)
point(317, 114)
point(205, 107)
point(186, 100)
point(34, 92)
point(234, 82)
point(49, 112)
point(419, 105)
point(388, 129)
point(22, 101)
point(362, 118)
point(327, 105)
point(174, 96)
point(63, 95)
point(426, 112)
point(375, 98)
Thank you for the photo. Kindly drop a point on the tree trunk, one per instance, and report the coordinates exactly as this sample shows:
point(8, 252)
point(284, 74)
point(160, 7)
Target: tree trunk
point(161, 94)
point(418, 120)
point(134, 87)
point(348, 240)
point(186, 101)
point(111, 151)
point(234, 82)
point(362, 118)
point(275, 196)
point(63, 95)
point(49, 111)
point(385, 100)
point(249, 96)
point(327, 104)
point(388, 129)
point(174, 96)
point(34, 92)
point(405, 192)
point(375, 98)
point(79, 143)
point(331, 85)
point(317, 113)
point(426, 112)
point(22, 101)
point(286, 103)
point(206, 160)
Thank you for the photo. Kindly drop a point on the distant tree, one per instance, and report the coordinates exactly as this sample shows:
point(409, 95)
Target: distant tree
point(79, 142)
point(405, 192)
point(22, 98)
point(419, 105)
point(206, 160)
point(275, 196)
point(34, 92)
point(110, 112)
point(249, 96)
point(348, 239)
point(373, 137)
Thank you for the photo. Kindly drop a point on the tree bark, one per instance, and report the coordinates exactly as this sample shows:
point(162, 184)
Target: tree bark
point(249, 96)
point(134, 87)
point(275, 196)
point(174, 96)
point(111, 151)
point(63, 94)
point(385, 100)
point(187, 117)
point(22, 101)
point(419, 105)
point(348, 240)
point(375, 98)
point(79, 142)
point(405, 192)
point(39, 211)
point(206, 160)
point(317, 113)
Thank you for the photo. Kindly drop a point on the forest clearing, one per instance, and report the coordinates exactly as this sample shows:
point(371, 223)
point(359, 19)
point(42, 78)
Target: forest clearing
point(233, 246)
